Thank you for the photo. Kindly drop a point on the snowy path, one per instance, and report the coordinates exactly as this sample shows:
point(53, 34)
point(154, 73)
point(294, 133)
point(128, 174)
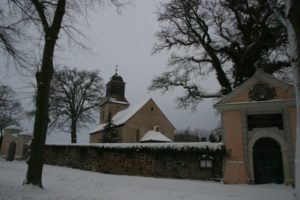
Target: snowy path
point(71, 184)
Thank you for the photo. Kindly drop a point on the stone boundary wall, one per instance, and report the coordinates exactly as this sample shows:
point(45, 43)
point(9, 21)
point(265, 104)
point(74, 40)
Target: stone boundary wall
point(172, 160)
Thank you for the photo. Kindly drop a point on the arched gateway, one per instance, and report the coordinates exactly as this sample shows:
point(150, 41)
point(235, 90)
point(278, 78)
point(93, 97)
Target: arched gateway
point(11, 151)
point(267, 161)
point(259, 126)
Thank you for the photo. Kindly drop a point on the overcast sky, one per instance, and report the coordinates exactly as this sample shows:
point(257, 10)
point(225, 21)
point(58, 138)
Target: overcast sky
point(126, 40)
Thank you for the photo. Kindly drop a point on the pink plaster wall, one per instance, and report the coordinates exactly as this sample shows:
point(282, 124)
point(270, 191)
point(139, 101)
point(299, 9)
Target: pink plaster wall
point(234, 171)
point(293, 122)
point(233, 134)
point(281, 93)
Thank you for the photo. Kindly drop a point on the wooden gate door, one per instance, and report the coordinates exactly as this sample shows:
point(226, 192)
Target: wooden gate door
point(267, 161)
point(11, 151)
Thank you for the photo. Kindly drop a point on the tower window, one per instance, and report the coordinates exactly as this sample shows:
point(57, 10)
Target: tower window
point(152, 108)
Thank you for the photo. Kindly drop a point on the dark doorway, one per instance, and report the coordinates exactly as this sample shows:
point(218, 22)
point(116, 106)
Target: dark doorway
point(11, 151)
point(267, 161)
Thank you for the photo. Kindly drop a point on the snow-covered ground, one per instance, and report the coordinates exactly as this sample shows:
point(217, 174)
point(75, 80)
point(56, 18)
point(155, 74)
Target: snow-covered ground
point(70, 184)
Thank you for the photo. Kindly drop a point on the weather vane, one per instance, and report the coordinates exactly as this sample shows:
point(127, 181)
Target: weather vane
point(116, 69)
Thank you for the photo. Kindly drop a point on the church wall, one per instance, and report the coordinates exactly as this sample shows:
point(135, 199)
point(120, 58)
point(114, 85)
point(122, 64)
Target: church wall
point(234, 168)
point(112, 108)
point(121, 133)
point(144, 120)
point(95, 138)
point(129, 133)
point(134, 128)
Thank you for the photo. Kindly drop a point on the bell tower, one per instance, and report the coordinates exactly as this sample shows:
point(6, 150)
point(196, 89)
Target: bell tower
point(115, 100)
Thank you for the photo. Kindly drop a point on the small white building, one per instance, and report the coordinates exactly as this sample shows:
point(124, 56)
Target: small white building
point(154, 136)
point(14, 143)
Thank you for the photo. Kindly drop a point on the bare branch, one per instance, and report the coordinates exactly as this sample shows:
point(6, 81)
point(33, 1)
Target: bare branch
point(74, 96)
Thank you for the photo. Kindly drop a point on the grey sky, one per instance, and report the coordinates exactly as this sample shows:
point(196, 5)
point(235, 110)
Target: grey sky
point(126, 40)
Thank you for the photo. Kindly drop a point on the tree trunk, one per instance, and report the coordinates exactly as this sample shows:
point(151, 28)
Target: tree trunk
point(43, 78)
point(73, 132)
point(1, 138)
point(293, 27)
point(296, 70)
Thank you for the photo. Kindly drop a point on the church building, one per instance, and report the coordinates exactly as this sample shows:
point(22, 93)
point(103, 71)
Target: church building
point(259, 131)
point(131, 122)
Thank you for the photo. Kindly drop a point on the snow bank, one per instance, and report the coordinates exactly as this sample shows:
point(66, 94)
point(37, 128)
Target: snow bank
point(70, 184)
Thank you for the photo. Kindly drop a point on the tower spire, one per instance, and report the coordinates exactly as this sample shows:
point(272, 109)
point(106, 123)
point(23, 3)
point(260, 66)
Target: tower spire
point(115, 100)
point(116, 69)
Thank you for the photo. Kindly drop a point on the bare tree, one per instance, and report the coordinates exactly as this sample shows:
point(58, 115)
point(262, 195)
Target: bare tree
point(289, 16)
point(74, 95)
point(50, 18)
point(227, 37)
point(12, 26)
point(189, 135)
point(10, 109)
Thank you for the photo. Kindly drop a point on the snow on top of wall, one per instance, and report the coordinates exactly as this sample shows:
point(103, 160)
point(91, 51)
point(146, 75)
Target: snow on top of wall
point(26, 133)
point(154, 136)
point(13, 127)
point(179, 145)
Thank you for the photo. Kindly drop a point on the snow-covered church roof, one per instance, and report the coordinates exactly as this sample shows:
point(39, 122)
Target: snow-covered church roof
point(154, 136)
point(121, 117)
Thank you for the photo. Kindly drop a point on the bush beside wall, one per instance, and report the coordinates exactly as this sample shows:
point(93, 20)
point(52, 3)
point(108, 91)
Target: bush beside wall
point(172, 160)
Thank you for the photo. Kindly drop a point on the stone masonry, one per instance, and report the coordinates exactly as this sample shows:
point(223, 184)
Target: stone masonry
point(161, 162)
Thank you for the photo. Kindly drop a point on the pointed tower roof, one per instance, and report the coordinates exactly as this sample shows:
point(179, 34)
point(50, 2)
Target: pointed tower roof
point(115, 90)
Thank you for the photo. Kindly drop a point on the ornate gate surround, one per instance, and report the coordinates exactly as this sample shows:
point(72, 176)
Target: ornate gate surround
point(273, 134)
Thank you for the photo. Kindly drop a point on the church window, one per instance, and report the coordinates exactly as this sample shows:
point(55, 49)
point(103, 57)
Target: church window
point(152, 108)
